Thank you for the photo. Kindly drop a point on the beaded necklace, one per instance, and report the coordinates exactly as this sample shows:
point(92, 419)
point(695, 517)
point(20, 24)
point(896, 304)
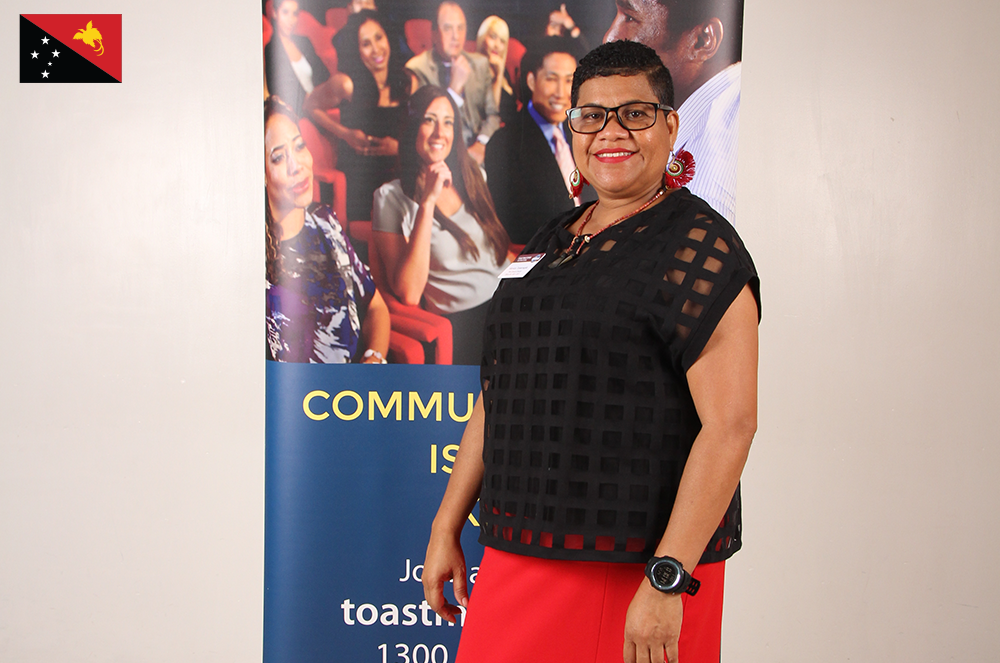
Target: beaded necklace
point(580, 240)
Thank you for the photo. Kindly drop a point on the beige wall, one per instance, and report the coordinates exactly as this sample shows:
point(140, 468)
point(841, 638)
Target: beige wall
point(131, 443)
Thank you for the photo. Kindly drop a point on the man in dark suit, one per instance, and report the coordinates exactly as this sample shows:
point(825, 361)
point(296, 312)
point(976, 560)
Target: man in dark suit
point(528, 161)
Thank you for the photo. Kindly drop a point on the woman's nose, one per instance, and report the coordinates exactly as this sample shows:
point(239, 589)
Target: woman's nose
point(616, 128)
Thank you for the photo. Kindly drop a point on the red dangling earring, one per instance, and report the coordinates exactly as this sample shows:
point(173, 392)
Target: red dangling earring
point(576, 183)
point(679, 170)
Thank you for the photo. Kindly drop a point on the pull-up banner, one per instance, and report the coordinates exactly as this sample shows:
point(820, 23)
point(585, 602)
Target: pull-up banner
point(358, 452)
point(357, 458)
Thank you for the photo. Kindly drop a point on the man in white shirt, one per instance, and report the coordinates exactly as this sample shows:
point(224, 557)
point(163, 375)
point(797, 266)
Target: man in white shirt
point(701, 43)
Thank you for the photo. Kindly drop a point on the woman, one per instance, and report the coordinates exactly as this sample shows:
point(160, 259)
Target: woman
point(291, 67)
point(370, 90)
point(492, 41)
point(318, 289)
point(436, 236)
point(617, 411)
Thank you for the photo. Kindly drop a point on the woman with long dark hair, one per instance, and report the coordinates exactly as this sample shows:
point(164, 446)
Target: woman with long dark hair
point(371, 90)
point(436, 236)
point(322, 304)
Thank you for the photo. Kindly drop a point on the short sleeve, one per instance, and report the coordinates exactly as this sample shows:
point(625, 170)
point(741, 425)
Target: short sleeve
point(392, 210)
point(706, 272)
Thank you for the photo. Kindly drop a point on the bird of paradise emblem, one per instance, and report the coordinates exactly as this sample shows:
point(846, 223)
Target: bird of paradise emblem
point(89, 35)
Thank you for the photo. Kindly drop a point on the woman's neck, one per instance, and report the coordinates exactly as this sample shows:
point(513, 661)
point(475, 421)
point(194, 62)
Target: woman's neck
point(612, 208)
point(289, 221)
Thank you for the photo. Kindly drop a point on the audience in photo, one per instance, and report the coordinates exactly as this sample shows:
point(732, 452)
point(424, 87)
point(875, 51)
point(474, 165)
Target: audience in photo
point(370, 90)
point(291, 67)
point(466, 76)
point(493, 40)
point(561, 24)
point(436, 240)
point(322, 304)
point(529, 160)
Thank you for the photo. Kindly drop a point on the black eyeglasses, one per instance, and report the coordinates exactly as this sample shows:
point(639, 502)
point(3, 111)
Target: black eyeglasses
point(636, 116)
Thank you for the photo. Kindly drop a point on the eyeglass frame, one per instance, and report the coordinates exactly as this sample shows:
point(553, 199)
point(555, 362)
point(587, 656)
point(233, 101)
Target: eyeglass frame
point(607, 116)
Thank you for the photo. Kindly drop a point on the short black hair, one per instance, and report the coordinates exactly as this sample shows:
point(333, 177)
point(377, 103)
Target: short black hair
point(682, 15)
point(625, 58)
point(536, 50)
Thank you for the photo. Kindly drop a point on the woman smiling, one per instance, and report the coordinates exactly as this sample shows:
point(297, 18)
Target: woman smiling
point(436, 235)
point(370, 90)
point(619, 401)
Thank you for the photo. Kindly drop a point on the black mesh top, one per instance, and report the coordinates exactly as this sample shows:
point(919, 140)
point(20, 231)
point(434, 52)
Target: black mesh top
point(589, 419)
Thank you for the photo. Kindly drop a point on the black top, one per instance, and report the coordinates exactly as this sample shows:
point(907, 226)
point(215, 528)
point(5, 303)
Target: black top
point(364, 174)
point(280, 76)
point(589, 418)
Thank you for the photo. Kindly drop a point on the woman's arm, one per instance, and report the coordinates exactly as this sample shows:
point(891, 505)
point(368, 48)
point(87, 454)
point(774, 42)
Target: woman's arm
point(444, 560)
point(723, 383)
point(405, 261)
point(336, 89)
point(376, 327)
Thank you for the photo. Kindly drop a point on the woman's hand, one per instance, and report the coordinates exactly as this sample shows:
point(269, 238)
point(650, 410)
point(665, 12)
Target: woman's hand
point(357, 140)
point(445, 561)
point(652, 626)
point(497, 64)
point(382, 147)
point(430, 181)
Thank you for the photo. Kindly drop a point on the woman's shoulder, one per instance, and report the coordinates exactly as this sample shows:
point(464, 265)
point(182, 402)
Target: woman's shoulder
point(392, 189)
point(324, 218)
point(698, 226)
point(392, 210)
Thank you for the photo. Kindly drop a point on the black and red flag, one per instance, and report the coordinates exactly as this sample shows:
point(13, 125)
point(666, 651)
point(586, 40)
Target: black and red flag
point(71, 48)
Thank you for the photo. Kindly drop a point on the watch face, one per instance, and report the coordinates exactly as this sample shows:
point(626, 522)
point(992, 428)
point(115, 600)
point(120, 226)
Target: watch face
point(665, 575)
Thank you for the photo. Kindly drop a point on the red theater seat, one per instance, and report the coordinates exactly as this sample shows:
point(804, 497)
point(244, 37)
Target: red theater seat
point(418, 33)
point(320, 37)
point(336, 18)
point(429, 329)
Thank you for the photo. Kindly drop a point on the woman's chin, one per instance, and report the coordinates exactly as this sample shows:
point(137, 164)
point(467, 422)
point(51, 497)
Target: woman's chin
point(304, 199)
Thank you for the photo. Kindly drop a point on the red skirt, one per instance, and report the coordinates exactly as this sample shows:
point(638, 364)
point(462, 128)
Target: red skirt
point(525, 609)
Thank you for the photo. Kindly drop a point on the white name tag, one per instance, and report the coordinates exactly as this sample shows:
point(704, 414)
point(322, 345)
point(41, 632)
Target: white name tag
point(521, 266)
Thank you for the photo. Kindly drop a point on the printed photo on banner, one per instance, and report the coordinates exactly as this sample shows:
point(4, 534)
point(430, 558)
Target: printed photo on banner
point(413, 148)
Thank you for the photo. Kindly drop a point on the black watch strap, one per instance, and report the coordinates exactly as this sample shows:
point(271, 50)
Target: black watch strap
point(667, 575)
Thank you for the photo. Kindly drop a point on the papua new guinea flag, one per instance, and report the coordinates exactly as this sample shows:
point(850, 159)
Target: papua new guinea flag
point(71, 48)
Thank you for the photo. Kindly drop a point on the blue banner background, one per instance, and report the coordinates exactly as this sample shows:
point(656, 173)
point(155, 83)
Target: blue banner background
point(348, 508)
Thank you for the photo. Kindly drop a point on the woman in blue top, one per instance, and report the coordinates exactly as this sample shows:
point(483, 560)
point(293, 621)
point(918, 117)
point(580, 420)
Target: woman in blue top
point(322, 304)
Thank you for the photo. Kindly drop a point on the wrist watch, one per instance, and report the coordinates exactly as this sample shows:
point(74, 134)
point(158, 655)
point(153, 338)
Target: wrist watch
point(374, 353)
point(668, 575)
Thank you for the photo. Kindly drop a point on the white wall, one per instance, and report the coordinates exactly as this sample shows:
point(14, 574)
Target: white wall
point(868, 196)
point(132, 408)
point(131, 397)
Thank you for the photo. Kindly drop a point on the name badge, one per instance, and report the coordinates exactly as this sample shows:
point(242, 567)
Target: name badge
point(521, 266)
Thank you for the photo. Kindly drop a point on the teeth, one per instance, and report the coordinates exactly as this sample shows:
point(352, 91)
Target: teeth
point(614, 154)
